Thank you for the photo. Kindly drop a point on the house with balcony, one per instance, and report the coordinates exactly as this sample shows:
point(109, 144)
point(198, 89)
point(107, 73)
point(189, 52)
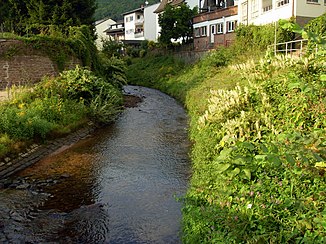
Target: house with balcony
point(260, 12)
point(134, 26)
point(215, 24)
point(116, 31)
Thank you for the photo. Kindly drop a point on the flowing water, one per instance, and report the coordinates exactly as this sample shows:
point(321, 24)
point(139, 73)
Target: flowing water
point(120, 185)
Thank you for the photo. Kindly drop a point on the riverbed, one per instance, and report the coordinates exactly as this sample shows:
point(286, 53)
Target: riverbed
point(122, 184)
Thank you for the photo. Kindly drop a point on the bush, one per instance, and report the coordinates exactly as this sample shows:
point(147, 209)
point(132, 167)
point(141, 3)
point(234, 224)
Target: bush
point(56, 106)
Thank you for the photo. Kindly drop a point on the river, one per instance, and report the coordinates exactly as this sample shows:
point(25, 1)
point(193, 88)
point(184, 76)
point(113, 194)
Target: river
point(119, 185)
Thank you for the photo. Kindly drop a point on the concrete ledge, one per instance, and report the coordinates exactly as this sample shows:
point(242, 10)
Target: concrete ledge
point(36, 152)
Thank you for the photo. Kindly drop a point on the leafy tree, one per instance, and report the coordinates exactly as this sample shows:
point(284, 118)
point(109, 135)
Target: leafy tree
point(176, 23)
point(20, 14)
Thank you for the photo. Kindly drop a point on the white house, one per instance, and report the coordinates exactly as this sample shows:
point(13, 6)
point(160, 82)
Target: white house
point(151, 26)
point(100, 27)
point(261, 12)
point(134, 25)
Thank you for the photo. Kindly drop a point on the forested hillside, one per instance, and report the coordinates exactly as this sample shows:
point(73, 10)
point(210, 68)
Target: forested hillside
point(114, 9)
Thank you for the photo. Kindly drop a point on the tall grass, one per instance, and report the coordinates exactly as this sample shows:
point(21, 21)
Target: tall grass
point(258, 129)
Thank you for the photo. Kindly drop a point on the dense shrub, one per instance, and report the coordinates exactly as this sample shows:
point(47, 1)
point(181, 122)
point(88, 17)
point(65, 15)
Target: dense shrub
point(253, 37)
point(57, 106)
point(258, 147)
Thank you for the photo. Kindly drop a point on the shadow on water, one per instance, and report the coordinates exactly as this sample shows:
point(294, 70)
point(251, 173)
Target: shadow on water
point(117, 186)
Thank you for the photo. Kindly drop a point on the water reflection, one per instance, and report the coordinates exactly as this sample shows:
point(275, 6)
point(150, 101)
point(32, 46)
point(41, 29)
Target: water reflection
point(119, 185)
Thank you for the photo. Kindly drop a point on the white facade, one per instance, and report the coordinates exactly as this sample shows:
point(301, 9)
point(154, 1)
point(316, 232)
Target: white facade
point(100, 27)
point(192, 3)
point(151, 26)
point(134, 25)
point(261, 12)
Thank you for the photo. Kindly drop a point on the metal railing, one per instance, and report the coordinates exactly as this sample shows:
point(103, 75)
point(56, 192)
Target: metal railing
point(297, 47)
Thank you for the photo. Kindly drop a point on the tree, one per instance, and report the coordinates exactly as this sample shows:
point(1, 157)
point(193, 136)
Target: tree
point(176, 23)
point(20, 14)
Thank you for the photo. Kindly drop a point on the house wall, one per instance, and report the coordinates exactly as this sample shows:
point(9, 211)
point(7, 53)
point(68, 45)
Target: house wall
point(281, 9)
point(257, 15)
point(305, 11)
point(192, 3)
point(129, 26)
point(214, 39)
point(100, 28)
point(151, 23)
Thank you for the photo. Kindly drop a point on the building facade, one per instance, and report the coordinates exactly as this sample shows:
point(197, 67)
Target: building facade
point(217, 20)
point(134, 25)
point(260, 12)
point(151, 26)
point(116, 31)
point(100, 28)
point(214, 26)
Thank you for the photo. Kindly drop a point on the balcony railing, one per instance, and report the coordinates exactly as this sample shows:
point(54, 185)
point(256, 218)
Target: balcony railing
point(139, 34)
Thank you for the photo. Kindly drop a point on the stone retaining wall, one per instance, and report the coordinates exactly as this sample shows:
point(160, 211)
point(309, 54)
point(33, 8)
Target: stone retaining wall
point(20, 65)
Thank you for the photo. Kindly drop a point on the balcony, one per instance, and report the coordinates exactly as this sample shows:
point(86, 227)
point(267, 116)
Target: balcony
point(139, 34)
point(139, 21)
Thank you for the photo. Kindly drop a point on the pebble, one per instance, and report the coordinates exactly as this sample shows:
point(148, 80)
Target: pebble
point(23, 186)
point(65, 175)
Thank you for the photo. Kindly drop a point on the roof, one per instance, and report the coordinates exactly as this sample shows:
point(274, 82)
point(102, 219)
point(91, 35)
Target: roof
point(134, 11)
point(115, 30)
point(103, 20)
point(163, 4)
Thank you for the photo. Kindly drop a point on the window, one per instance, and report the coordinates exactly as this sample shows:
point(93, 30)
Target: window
point(231, 25)
point(213, 29)
point(313, 1)
point(280, 3)
point(267, 5)
point(203, 31)
point(138, 16)
point(244, 8)
point(254, 9)
point(219, 28)
point(197, 32)
point(131, 18)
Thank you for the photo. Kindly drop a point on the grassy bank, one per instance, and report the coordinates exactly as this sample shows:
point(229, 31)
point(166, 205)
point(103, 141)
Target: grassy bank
point(56, 107)
point(258, 129)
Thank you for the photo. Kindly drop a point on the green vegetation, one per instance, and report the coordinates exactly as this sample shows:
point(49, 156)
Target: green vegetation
point(258, 127)
point(114, 9)
point(30, 16)
point(55, 107)
point(176, 22)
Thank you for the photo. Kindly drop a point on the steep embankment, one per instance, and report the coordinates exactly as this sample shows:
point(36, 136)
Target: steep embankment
point(57, 105)
point(259, 146)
